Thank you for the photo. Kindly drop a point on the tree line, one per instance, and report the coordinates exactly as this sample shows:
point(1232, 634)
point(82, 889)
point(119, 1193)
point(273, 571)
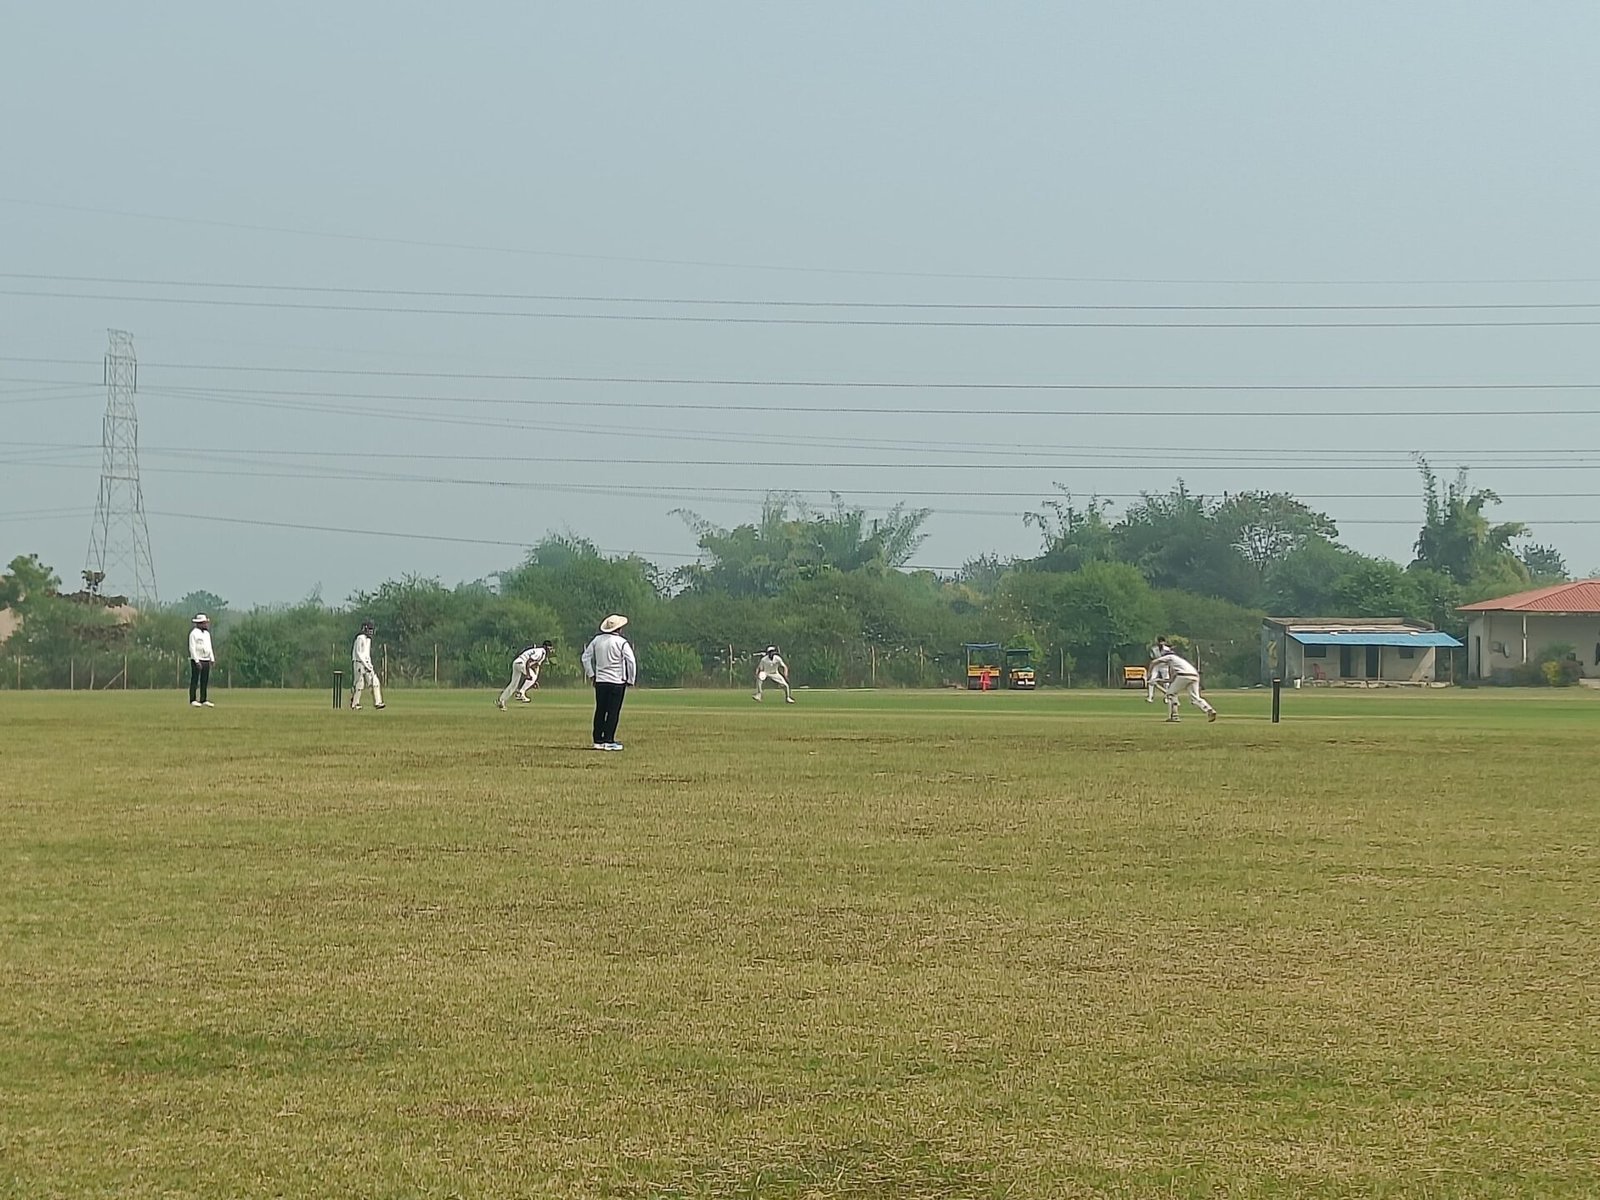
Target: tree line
point(832, 587)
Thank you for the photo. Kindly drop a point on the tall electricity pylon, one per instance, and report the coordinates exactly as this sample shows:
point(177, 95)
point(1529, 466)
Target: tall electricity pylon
point(119, 543)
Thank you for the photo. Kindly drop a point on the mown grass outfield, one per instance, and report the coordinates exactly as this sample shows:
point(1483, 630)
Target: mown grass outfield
point(871, 945)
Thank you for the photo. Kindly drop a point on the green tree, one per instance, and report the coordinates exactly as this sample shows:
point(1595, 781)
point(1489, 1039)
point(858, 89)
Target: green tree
point(1099, 611)
point(1544, 564)
point(573, 579)
point(1374, 588)
point(27, 579)
point(761, 559)
point(213, 605)
point(1304, 581)
point(1073, 536)
point(1457, 538)
point(1265, 527)
point(1177, 541)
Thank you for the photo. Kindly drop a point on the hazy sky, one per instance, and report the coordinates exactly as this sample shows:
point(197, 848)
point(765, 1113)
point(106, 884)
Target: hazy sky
point(576, 167)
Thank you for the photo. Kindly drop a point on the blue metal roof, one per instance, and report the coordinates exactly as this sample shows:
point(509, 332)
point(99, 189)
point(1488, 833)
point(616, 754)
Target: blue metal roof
point(1374, 638)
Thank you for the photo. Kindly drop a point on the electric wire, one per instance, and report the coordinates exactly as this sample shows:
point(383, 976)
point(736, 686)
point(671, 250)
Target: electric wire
point(222, 395)
point(854, 384)
point(835, 322)
point(743, 302)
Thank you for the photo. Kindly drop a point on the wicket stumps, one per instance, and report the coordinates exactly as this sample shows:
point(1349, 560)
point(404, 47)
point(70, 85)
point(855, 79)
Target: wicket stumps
point(338, 689)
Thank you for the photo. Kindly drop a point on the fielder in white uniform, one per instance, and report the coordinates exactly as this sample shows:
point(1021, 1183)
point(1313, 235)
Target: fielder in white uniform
point(1159, 677)
point(361, 671)
point(525, 673)
point(1183, 680)
point(771, 666)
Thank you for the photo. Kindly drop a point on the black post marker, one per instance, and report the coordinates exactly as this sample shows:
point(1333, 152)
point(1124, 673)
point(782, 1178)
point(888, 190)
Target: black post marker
point(1277, 699)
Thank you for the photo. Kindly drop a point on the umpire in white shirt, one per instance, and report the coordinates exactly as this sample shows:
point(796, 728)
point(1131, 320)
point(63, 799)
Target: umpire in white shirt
point(201, 656)
point(609, 664)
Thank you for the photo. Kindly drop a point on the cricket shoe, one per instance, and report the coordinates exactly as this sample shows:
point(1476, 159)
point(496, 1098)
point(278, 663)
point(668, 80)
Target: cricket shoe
point(788, 699)
point(524, 699)
point(1212, 715)
point(600, 746)
point(194, 704)
point(1172, 720)
point(757, 699)
point(613, 746)
point(380, 706)
point(207, 704)
point(355, 708)
point(500, 704)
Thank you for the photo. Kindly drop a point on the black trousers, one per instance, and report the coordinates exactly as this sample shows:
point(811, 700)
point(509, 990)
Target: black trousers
point(199, 679)
point(608, 699)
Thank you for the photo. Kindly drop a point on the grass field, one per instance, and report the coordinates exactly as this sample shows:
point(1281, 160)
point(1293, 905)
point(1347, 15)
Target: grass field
point(871, 945)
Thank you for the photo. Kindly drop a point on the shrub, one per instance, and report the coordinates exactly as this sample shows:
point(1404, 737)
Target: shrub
point(483, 665)
point(821, 668)
point(669, 664)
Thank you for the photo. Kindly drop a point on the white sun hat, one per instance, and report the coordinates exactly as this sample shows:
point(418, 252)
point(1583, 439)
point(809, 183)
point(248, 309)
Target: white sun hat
point(613, 623)
point(199, 617)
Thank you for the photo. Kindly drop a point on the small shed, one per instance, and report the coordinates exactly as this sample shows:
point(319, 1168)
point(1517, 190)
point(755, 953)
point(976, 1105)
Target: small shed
point(1514, 630)
point(1334, 650)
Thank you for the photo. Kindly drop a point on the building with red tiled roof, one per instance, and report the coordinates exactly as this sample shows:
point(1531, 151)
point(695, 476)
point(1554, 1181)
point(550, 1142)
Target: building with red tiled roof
point(1513, 631)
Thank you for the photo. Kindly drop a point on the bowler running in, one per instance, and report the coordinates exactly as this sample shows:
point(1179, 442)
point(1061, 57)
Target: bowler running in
point(525, 673)
point(1183, 680)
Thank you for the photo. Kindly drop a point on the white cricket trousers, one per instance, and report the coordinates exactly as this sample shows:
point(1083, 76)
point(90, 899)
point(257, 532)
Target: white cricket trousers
point(365, 677)
point(521, 680)
point(762, 677)
point(1186, 685)
point(1157, 681)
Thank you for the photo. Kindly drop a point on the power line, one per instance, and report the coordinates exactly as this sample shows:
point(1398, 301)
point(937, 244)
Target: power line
point(389, 533)
point(778, 267)
point(875, 322)
point(344, 469)
point(885, 384)
point(671, 492)
point(739, 302)
point(648, 555)
point(252, 396)
point(1482, 456)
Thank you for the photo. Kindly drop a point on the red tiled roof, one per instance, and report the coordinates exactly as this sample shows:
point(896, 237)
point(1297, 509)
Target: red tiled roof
point(1580, 597)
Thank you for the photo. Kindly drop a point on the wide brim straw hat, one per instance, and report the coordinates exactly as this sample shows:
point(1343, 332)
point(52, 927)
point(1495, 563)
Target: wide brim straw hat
point(613, 623)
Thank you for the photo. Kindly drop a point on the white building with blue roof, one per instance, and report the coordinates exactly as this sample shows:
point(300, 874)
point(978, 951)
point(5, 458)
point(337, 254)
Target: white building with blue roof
point(1370, 652)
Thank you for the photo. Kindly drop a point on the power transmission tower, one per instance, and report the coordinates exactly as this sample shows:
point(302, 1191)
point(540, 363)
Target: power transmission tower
point(119, 543)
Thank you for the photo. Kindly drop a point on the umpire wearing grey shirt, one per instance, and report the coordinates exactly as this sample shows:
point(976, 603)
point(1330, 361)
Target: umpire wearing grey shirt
point(609, 664)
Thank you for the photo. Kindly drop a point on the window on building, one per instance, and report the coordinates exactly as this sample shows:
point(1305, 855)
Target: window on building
point(1316, 652)
point(1408, 651)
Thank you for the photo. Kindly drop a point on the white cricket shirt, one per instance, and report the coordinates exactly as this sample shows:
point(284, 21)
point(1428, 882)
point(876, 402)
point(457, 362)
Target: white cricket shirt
point(200, 646)
point(609, 659)
point(1177, 664)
